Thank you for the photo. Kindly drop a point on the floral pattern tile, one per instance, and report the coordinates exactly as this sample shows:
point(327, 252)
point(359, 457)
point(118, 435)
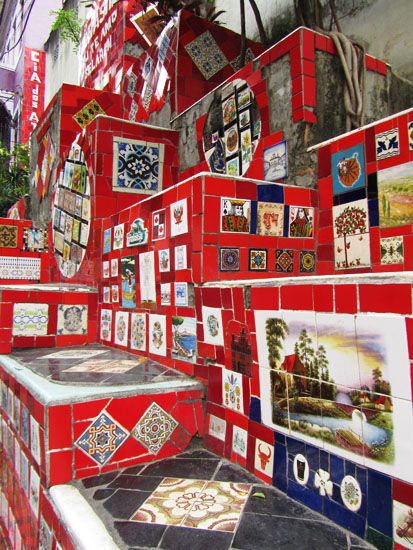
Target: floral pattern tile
point(307, 261)
point(211, 505)
point(387, 144)
point(154, 428)
point(206, 54)
point(72, 319)
point(137, 166)
point(102, 439)
point(30, 319)
point(284, 261)
point(391, 250)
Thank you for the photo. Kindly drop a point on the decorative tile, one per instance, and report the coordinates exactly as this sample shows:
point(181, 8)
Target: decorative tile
point(72, 319)
point(395, 195)
point(284, 261)
point(232, 394)
point(391, 250)
point(106, 295)
point(138, 234)
point(206, 55)
point(307, 261)
point(410, 133)
point(88, 113)
point(270, 219)
point(217, 427)
point(106, 324)
point(118, 236)
point(8, 236)
point(30, 319)
point(107, 240)
point(240, 348)
point(137, 166)
point(257, 259)
point(301, 469)
point(213, 328)
point(323, 483)
point(402, 524)
point(35, 240)
point(159, 225)
point(76, 353)
point(138, 331)
point(276, 162)
point(166, 294)
point(239, 441)
point(235, 215)
point(157, 334)
point(164, 260)
point(232, 167)
point(184, 338)
point(112, 366)
point(264, 457)
point(102, 438)
point(351, 235)
point(147, 277)
point(212, 505)
point(229, 110)
point(229, 259)
point(351, 493)
point(34, 491)
point(105, 269)
point(387, 144)
point(147, 96)
point(231, 140)
point(180, 257)
point(128, 281)
point(121, 328)
point(301, 222)
point(348, 169)
point(154, 428)
point(12, 267)
point(236, 62)
point(114, 267)
point(246, 147)
point(179, 217)
point(181, 294)
point(45, 535)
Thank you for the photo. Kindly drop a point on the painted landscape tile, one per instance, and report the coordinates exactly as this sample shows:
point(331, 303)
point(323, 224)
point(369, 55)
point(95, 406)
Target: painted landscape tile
point(339, 381)
point(184, 338)
point(395, 186)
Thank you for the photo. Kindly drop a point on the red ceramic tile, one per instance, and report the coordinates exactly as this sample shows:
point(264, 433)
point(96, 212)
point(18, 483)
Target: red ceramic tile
point(395, 298)
point(297, 297)
point(60, 421)
point(323, 298)
point(346, 298)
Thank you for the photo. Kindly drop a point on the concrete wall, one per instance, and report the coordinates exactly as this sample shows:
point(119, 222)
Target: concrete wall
point(384, 28)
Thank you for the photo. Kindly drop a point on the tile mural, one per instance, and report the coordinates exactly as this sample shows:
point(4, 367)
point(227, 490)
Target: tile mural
point(137, 166)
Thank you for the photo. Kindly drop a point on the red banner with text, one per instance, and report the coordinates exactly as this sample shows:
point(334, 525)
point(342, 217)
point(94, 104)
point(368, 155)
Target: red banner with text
point(33, 91)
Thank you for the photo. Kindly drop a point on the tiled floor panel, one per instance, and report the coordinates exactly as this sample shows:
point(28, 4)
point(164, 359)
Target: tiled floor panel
point(202, 502)
point(95, 364)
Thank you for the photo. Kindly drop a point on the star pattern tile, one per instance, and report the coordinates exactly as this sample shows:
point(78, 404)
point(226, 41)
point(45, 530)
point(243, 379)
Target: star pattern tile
point(154, 428)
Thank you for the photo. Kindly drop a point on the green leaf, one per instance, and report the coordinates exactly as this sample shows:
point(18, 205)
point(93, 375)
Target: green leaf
point(258, 494)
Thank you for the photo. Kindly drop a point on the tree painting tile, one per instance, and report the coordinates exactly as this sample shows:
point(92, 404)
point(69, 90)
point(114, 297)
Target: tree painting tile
point(30, 319)
point(72, 319)
point(136, 166)
point(395, 187)
point(270, 219)
point(348, 170)
point(351, 235)
point(154, 428)
point(387, 144)
point(102, 439)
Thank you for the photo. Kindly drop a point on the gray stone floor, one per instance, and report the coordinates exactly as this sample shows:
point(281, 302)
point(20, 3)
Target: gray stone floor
point(269, 520)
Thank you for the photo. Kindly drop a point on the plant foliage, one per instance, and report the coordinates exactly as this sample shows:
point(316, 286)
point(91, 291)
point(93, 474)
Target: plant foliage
point(69, 26)
point(14, 176)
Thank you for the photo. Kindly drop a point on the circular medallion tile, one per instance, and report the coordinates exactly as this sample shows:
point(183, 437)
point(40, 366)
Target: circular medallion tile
point(301, 469)
point(351, 493)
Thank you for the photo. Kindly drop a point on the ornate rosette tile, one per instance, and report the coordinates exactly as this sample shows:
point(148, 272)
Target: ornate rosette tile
point(102, 439)
point(229, 259)
point(206, 55)
point(307, 261)
point(211, 505)
point(8, 236)
point(284, 261)
point(257, 259)
point(154, 428)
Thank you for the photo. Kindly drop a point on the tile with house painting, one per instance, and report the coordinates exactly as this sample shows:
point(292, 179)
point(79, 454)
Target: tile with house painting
point(395, 187)
point(339, 381)
point(276, 162)
point(239, 348)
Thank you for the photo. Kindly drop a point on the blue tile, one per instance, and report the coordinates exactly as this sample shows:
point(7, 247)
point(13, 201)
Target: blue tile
point(313, 456)
point(361, 476)
point(336, 469)
point(295, 447)
point(325, 461)
point(255, 409)
point(350, 469)
point(355, 195)
point(374, 212)
point(253, 222)
point(344, 517)
point(305, 495)
point(379, 502)
point(271, 193)
point(337, 494)
point(280, 460)
point(286, 220)
point(279, 438)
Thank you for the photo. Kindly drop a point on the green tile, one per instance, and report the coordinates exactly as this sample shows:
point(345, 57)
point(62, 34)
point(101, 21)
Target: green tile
point(379, 540)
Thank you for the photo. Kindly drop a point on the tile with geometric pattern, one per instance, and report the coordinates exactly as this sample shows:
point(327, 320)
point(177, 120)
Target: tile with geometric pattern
point(154, 428)
point(284, 261)
point(102, 439)
point(212, 505)
point(8, 236)
point(207, 55)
